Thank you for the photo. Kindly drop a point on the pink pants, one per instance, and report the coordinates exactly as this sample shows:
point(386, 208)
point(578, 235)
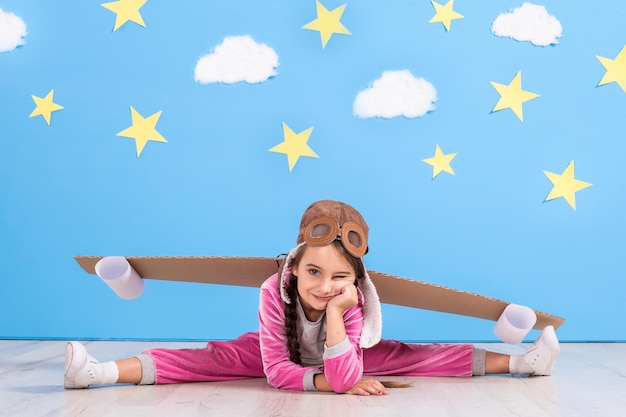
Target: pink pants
point(241, 358)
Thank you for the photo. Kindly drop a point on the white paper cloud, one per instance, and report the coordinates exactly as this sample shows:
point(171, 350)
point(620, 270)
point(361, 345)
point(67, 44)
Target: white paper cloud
point(12, 31)
point(236, 59)
point(394, 94)
point(528, 23)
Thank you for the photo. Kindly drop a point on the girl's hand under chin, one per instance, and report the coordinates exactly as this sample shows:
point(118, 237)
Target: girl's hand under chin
point(346, 299)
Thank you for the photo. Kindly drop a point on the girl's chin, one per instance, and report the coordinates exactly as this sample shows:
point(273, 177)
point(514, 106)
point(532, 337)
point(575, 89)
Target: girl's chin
point(318, 304)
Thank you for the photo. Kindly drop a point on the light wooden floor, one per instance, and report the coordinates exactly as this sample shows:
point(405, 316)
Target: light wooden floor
point(590, 380)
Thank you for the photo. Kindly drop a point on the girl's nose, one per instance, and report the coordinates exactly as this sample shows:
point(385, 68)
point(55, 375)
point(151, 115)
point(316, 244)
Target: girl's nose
point(326, 286)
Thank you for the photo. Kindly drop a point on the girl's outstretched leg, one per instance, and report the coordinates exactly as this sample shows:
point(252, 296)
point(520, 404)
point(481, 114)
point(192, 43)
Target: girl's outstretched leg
point(217, 361)
point(230, 360)
point(392, 357)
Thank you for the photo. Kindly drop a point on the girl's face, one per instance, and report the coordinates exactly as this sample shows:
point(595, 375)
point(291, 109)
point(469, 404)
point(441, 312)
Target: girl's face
point(322, 273)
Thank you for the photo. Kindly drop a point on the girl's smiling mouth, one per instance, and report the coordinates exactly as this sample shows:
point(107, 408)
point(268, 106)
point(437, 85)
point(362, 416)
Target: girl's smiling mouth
point(323, 298)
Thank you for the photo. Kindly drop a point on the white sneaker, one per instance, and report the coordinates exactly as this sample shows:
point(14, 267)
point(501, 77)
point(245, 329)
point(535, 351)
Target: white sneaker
point(79, 366)
point(543, 353)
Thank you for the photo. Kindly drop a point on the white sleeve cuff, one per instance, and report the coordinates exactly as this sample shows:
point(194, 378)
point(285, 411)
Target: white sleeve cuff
point(337, 350)
point(308, 383)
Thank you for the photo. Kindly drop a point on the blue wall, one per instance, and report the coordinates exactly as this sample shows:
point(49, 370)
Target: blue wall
point(76, 188)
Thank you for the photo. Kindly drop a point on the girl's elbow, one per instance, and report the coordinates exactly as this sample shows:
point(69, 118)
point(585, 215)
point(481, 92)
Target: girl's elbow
point(279, 380)
point(276, 380)
point(279, 383)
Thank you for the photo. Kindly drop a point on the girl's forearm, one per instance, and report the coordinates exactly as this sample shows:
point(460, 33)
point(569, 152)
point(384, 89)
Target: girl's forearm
point(335, 328)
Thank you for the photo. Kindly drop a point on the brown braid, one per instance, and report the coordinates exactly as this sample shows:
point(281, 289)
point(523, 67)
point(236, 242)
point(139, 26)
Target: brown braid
point(291, 318)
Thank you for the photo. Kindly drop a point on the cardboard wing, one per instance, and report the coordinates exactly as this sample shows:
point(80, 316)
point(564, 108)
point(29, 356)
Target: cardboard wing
point(252, 272)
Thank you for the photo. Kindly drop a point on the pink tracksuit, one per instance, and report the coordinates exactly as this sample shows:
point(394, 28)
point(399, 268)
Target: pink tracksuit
point(265, 354)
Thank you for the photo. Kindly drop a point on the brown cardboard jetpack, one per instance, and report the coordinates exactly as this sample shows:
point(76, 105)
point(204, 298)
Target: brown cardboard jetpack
point(253, 271)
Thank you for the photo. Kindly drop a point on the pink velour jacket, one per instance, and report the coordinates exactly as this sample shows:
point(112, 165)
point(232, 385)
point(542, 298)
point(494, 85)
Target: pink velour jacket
point(343, 363)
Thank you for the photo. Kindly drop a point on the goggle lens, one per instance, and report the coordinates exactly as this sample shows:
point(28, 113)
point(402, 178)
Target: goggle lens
point(321, 230)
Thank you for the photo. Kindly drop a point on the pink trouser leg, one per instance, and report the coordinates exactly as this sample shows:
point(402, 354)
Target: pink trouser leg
point(391, 357)
point(218, 361)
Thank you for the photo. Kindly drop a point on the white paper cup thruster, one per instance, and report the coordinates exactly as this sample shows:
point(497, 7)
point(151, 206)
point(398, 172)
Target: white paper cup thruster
point(117, 273)
point(514, 323)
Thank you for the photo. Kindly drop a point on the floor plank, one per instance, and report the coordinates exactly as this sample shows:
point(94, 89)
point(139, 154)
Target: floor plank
point(590, 380)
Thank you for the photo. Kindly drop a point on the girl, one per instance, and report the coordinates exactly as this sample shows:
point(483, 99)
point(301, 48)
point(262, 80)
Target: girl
point(320, 329)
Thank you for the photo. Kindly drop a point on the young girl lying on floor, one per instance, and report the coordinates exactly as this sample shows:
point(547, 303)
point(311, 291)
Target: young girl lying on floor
point(320, 329)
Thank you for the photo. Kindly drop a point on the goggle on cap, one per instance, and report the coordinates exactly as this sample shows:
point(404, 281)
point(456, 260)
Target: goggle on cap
point(322, 223)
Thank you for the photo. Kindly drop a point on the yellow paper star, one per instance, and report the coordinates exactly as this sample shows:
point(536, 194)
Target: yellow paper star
point(615, 69)
point(143, 130)
point(440, 162)
point(295, 145)
point(565, 185)
point(45, 106)
point(327, 22)
point(512, 96)
point(445, 14)
point(126, 10)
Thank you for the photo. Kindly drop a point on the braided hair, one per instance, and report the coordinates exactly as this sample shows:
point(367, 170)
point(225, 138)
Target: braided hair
point(291, 319)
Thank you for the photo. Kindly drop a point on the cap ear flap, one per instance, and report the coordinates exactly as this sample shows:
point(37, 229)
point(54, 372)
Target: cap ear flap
point(284, 273)
point(372, 313)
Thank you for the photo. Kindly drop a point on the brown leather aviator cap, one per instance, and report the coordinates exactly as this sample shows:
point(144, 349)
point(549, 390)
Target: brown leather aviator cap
point(327, 220)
